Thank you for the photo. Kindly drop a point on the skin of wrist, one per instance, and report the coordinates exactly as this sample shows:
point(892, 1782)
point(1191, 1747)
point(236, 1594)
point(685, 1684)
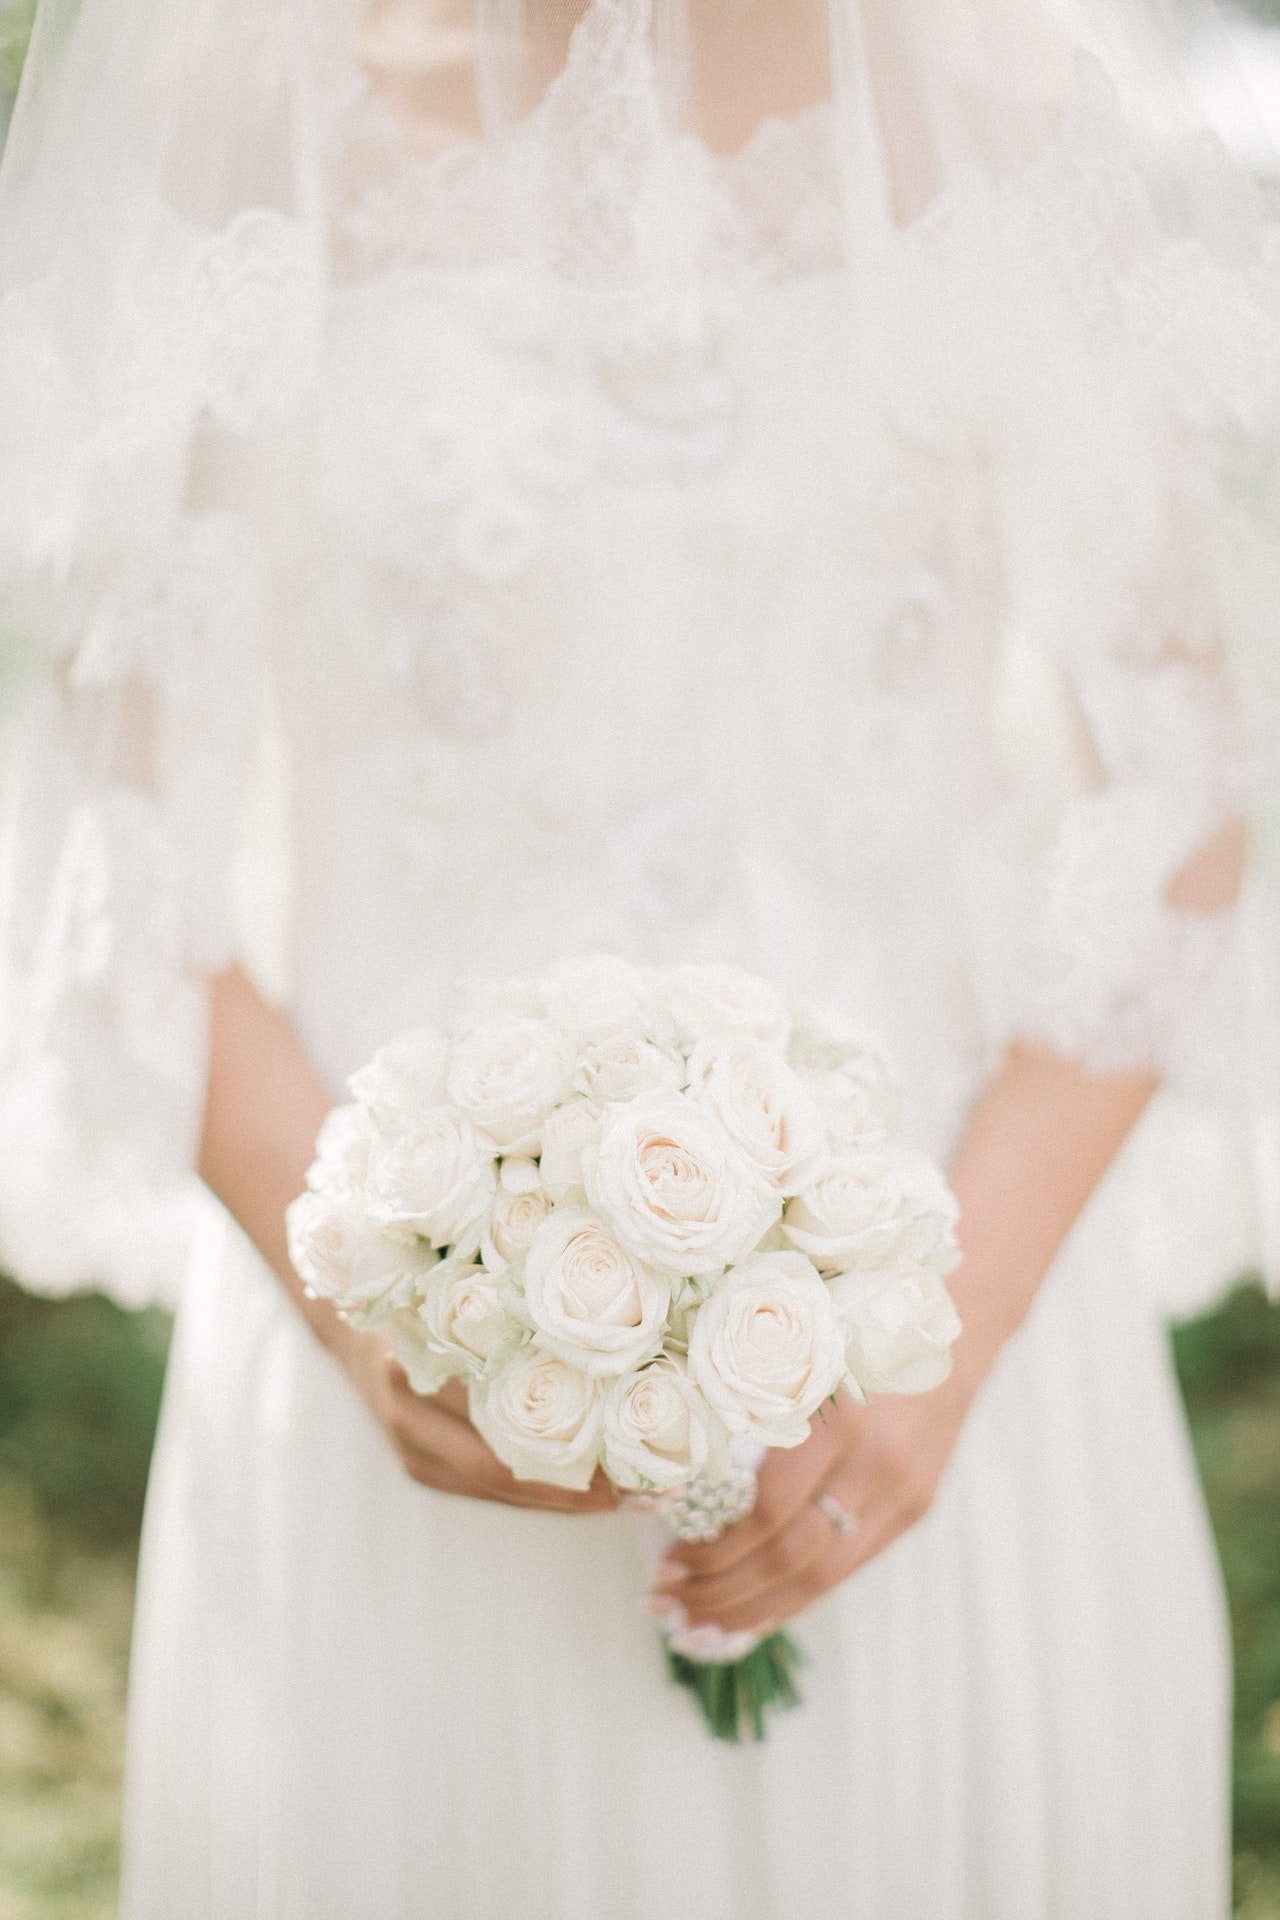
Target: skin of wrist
point(990, 1315)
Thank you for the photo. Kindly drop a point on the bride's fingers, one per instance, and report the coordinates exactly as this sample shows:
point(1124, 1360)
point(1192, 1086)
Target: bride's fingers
point(426, 1432)
point(430, 1471)
point(453, 1396)
point(807, 1583)
point(598, 1498)
point(857, 1490)
point(777, 1561)
point(439, 1446)
point(787, 1485)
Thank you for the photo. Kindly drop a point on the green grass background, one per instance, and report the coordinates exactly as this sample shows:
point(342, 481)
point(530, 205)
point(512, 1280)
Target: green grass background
point(79, 1390)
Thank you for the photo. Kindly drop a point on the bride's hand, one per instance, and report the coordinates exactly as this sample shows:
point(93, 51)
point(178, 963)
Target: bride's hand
point(438, 1446)
point(1038, 1142)
point(264, 1108)
point(878, 1465)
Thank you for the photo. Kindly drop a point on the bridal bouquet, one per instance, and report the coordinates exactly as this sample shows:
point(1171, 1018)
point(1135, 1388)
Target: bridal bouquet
point(655, 1221)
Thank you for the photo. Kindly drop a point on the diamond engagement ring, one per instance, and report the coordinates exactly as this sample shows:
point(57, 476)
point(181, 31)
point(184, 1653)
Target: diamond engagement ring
point(841, 1519)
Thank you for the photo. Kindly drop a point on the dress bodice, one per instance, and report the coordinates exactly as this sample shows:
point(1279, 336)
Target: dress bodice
point(669, 644)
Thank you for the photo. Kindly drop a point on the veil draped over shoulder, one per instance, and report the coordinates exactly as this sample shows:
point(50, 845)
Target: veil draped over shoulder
point(1049, 269)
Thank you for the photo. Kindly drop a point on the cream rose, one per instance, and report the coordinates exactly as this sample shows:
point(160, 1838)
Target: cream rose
point(869, 1208)
point(588, 1299)
point(764, 1109)
point(404, 1077)
point(344, 1145)
point(767, 1348)
point(481, 1000)
point(825, 1041)
point(850, 1076)
point(659, 1432)
point(852, 1118)
point(427, 1369)
point(596, 997)
point(623, 1067)
point(542, 1418)
point(719, 1003)
point(458, 1327)
point(519, 1208)
point(434, 1179)
point(675, 1189)
point(340, 1254)
point(568, 1134)
point(900, 1328)
point(507, 1077)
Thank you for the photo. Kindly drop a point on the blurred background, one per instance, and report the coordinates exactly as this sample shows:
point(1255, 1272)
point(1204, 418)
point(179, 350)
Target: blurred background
point(80, 1387)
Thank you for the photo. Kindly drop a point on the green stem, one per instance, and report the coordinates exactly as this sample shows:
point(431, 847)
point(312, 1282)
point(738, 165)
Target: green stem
point(736, 1698)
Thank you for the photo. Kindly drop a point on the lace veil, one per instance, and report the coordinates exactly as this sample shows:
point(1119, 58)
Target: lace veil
point(1048, 269)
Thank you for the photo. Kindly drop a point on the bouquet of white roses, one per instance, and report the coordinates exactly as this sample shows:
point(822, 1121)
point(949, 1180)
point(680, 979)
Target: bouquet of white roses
point(654, 1221)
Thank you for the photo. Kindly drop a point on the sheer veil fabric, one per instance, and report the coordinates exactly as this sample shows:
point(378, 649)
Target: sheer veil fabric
point(1046, 268)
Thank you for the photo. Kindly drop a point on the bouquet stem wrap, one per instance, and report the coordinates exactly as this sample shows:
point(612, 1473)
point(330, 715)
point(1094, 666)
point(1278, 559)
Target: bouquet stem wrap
point(737, 1679)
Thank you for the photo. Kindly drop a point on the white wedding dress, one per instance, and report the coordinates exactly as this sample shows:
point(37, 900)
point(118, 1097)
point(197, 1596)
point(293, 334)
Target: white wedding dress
point(609, 621)
point(680, 662)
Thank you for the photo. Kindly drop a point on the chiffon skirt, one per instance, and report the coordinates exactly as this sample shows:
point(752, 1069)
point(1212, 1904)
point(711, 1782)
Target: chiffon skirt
point(356, 1699)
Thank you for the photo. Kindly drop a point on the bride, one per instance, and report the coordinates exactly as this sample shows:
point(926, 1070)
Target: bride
point(769, 481)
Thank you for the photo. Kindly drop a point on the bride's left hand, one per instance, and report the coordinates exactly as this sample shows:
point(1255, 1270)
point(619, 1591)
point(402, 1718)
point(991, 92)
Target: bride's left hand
point(1038, 1142)
point(878, 1464)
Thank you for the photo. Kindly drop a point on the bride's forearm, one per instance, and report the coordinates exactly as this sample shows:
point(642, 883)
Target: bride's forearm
point(1039, 1141)
point(265, 1105)
point(264, 1109)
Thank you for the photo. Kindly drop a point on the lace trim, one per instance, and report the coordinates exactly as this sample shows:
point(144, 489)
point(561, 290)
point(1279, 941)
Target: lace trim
point(1089, 283)
point(222, 328)
point(226, 324)
point(1082, 954)
point(102, 1067)
point(116, 870)
point(642, 209)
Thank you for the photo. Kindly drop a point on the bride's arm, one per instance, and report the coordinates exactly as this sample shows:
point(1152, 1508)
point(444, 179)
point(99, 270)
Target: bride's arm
point(265, 1105)
point(1040, 1139)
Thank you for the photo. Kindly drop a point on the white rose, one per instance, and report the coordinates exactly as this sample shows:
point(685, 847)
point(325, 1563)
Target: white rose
point(343, 1148)
point(406, 1077)
point(899, 1328)
point(507, 1077)
point(870, 1208)
point(588, 1299)
point(434, 1179)
point(849, 1074)
point(428, 1370)
point(719, 1003)
point(569, 1133)
point(596, 996)
point(479, 1000)
point(675, 1189)
point(931, 1214)
point(542, 1418)
point(767, 1348)
point(659, 1432)
point(519, 1208)
point(852, 1117)
point(458, 1327)
point(764, 1108)
point(623, 1067)
point(340, 1254)
point(822, 1039)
